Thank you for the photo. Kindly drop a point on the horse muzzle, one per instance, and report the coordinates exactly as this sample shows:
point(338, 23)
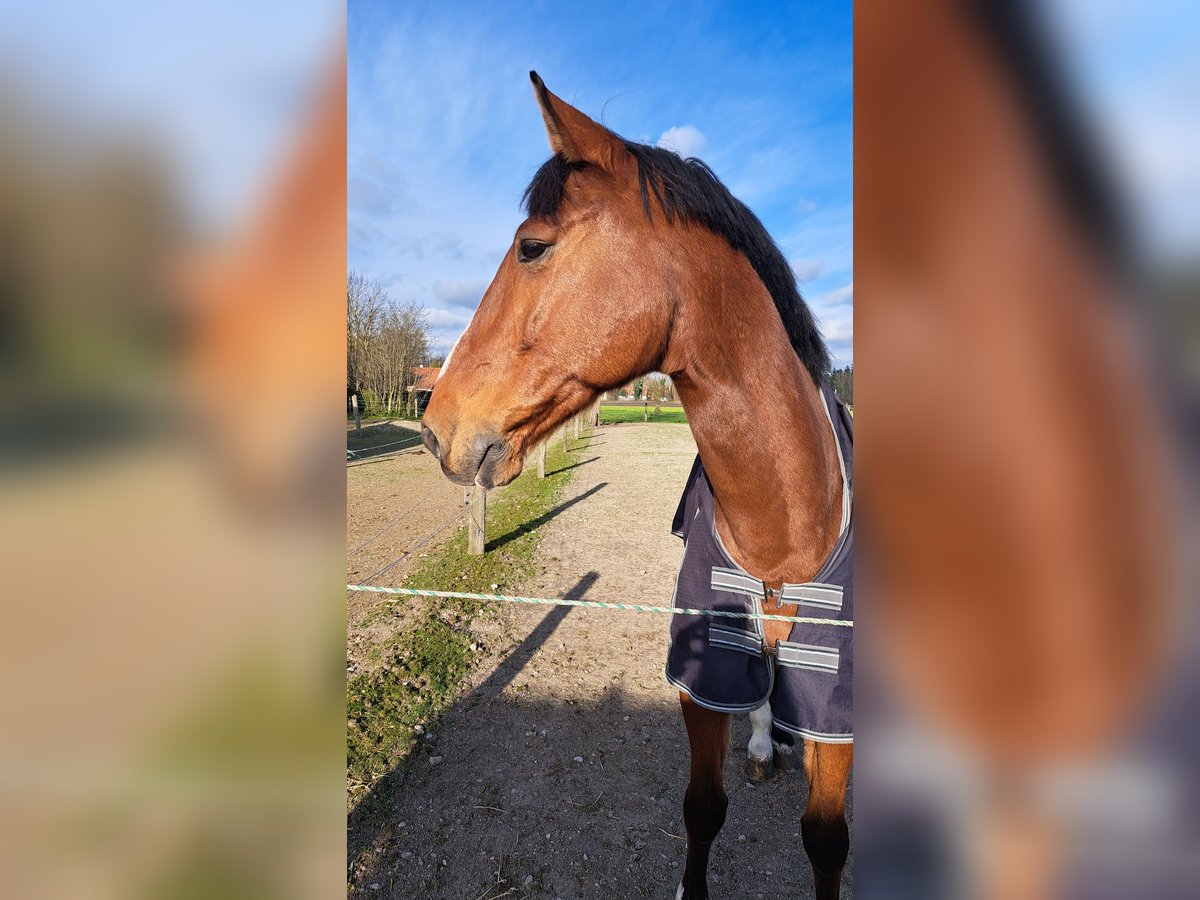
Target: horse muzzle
point(484, 458)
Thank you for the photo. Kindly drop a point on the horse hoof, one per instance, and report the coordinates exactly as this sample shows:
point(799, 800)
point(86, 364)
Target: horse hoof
point(758, 770)
point(784, 759)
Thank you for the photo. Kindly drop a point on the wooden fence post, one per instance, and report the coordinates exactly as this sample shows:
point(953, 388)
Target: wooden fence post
point(357, 414)
point(477, 528)
point(565, 439)
point(541, 455)
point(645, 411)
point(577, 427)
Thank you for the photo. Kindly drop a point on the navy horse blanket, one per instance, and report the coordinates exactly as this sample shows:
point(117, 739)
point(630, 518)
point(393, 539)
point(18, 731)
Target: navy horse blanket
point(723, 663)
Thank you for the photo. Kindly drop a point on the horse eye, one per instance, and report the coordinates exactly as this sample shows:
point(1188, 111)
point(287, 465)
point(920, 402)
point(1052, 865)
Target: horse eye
point(530, 250)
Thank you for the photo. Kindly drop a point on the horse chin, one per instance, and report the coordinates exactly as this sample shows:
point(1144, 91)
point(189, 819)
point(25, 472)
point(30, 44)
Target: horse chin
point(499, 481)
point(462, 478)
point(497, 471)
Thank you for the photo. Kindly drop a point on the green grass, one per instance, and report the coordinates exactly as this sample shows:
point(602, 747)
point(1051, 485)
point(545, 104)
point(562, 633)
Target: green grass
point(610, 415)
point(424, 665)
point(389, 438)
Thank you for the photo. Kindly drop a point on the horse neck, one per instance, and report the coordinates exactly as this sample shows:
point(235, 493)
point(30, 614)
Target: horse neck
point(759, 422)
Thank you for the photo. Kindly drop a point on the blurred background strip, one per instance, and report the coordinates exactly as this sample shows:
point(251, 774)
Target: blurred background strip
point(1026, 237)
point(172, 205)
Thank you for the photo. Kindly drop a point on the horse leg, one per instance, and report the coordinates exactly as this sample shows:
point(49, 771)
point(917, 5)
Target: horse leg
point(705, 801)
point(823, 825)
point(783, 751)
point(758, 752)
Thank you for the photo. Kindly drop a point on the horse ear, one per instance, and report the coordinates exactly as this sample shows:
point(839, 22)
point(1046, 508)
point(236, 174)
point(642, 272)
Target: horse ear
point(574, 135)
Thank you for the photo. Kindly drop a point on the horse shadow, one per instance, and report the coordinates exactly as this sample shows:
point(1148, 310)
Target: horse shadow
point(573, 465)
point(536, 523)
point(540, 795)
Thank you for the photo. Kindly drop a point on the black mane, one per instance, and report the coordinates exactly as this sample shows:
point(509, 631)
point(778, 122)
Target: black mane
point(1080, 174)
point(688, 189)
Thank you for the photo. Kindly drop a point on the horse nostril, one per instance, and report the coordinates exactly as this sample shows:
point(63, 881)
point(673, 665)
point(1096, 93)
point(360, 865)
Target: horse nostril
point(429, 439)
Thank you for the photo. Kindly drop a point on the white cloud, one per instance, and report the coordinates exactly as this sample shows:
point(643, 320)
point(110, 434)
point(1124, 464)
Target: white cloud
point(843, 296)
point(838, 329)
point(808, 269)
point(466, 293)
point(686, 140)
point(835, 312)
point(369, 197)
point(447, 317)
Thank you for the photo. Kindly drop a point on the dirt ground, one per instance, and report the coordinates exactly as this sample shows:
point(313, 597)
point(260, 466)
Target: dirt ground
point(409, 487)
point(560, 772)
point(406, 486)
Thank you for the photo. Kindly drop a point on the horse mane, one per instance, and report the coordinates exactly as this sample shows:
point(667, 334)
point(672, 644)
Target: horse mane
point(688, 190)
point(1063, 136)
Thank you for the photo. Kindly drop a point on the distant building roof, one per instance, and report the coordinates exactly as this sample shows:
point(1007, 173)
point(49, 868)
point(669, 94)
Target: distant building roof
point(424, 377)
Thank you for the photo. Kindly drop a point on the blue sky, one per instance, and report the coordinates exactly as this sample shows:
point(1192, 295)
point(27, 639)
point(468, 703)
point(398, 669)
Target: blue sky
point(219, 90)
point(444, 132)
point(1134, 65)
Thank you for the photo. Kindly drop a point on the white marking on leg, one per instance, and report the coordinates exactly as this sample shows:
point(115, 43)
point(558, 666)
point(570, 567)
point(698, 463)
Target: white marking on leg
point(759, 748)
point(679, 893)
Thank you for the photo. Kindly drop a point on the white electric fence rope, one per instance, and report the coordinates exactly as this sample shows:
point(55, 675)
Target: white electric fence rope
point(597, 604)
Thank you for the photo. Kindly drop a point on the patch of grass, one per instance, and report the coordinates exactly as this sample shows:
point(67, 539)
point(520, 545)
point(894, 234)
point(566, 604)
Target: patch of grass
point(511, 541)
point(610, 415)
point(425, 666)
point(427, 661)
point(389, 437)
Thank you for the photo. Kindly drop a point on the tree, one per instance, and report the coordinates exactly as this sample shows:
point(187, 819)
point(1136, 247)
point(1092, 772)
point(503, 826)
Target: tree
point(385, 340)
point(659, 387)
point(842, 381)
point(365, 301)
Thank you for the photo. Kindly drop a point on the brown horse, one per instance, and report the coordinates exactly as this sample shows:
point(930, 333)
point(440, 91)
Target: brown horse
point(633, 260)
point(1018, 471)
